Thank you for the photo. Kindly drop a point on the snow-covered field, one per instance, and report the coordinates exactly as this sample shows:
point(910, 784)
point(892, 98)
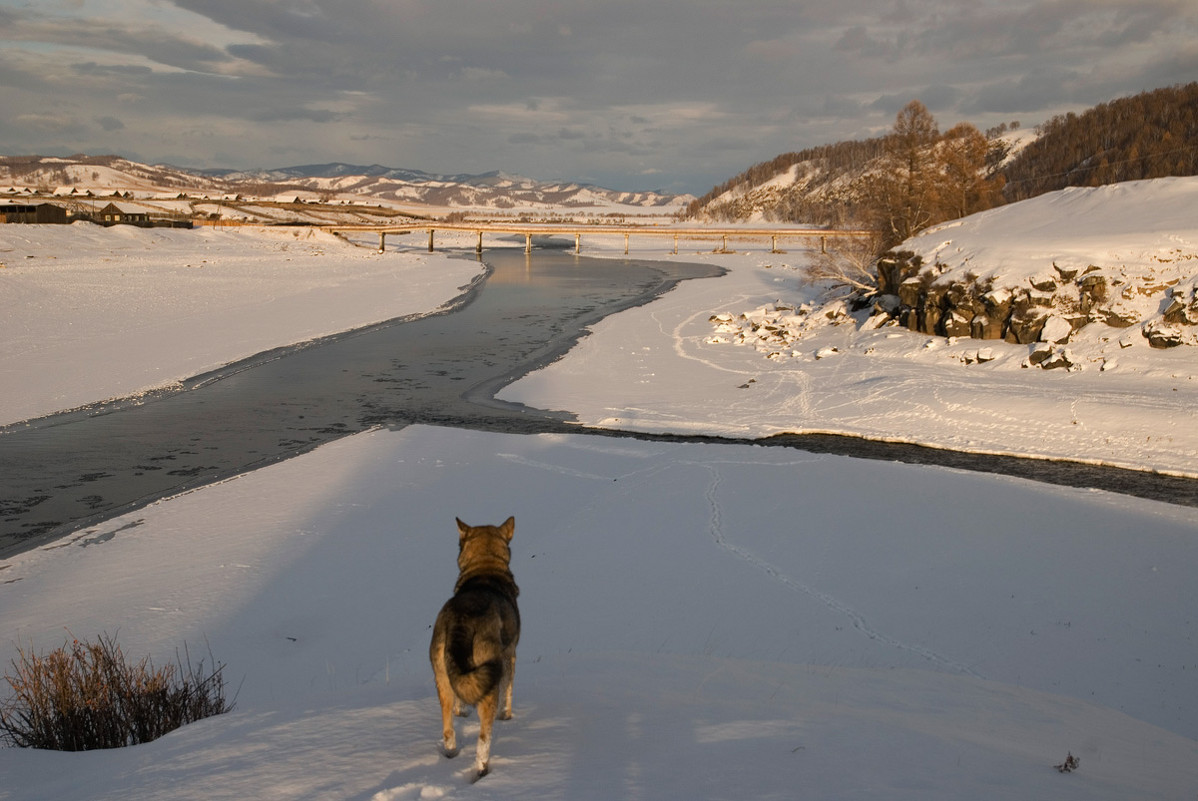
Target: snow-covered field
point(94, 313)
point(701, 621)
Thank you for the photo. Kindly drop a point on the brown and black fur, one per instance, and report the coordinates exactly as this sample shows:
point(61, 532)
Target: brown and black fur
point(473, 650)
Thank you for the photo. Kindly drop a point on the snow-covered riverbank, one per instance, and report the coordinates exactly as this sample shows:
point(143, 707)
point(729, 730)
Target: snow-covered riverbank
point(701, 621)
point(93, 313)
point(669, 367)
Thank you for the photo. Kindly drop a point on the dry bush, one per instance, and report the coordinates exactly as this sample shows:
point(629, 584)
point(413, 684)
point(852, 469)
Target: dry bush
point(848, 262)
point(84, 696)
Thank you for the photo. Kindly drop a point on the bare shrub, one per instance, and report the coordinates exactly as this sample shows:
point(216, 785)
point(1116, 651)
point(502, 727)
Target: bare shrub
point(1070, 764)
point(848, 261)
point(84, 696)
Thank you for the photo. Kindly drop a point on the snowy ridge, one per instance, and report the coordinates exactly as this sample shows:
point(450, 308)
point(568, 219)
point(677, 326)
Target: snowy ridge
point(338, 183)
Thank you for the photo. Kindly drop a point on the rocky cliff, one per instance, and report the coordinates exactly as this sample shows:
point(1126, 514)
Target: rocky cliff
point(1124, 257)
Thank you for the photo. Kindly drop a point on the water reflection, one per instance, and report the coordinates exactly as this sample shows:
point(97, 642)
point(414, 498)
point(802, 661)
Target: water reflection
point(67, 470)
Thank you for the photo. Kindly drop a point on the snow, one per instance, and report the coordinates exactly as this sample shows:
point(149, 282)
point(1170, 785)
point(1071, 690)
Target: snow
point(701, 620)
point(96, 313)
point(1146, 228)
point(670, 366)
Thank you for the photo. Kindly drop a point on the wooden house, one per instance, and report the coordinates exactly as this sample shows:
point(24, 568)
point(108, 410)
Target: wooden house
point(45, 213)
point(112, 214)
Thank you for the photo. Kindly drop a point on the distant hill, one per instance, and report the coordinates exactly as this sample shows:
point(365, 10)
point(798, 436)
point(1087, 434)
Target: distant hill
point(812, 186)
point(1149, 135)
point(336, 182)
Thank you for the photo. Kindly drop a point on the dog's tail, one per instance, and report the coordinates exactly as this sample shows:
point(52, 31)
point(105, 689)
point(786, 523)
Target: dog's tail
point(474, 664)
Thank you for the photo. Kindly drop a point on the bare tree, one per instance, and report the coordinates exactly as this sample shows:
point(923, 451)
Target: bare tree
point(963, 158)
point(904, 196)
point(848, 262)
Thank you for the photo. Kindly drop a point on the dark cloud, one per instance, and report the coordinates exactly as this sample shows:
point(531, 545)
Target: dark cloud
point(679, 90)
point(296, 115)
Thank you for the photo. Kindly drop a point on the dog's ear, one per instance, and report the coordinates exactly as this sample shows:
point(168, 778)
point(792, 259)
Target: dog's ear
point(508, 528)
point(463, 529)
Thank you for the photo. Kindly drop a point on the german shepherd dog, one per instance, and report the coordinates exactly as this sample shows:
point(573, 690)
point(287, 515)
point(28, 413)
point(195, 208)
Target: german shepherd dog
point(474, 639)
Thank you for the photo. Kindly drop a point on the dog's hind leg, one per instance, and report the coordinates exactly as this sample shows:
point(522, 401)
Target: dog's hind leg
point(486, 722)
point(505, 689)
point(449, 702)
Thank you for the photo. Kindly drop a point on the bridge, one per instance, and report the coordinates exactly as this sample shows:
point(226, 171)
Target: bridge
point(529, 230)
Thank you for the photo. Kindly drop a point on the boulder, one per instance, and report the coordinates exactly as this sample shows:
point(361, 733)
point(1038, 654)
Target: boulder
point(886, 304)
point(1040, 354)
point(1045, 282)
point(1025, 324)
point(1174, 312)
point(910, 292)
point(958, 323)
point(1056, 329)
point(1066, 273)
point(1057, 359)
point(895, 268)
point(1119, 318)
point(1163, 335)
point(984, 326)
point(1093, 292)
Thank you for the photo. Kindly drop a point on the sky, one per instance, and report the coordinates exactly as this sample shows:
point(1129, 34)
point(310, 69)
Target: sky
point(672, 95)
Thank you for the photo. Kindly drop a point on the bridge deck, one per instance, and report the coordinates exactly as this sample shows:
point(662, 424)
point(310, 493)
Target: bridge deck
point(529, 230)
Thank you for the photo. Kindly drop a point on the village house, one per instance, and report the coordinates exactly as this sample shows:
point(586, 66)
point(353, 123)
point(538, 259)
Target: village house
point(112, 214)
point(33, 213)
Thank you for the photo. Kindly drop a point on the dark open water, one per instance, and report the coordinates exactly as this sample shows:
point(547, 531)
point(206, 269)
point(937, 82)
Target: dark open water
point(64, 472)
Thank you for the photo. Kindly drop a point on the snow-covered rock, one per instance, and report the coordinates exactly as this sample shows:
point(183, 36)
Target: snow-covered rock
point(1121, 255)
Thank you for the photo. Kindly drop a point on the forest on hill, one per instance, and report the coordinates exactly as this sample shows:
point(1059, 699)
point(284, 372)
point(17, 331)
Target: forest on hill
point(1149, 135)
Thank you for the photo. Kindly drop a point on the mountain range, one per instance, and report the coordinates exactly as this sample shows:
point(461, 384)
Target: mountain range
point(334, 182)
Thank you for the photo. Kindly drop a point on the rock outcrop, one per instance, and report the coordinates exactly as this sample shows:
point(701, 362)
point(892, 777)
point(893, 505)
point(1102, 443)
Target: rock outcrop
point(1049, 307)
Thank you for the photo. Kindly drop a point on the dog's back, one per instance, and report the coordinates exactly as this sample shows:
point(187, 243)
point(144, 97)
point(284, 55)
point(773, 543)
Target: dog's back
point(473, 649)
point(478, 628)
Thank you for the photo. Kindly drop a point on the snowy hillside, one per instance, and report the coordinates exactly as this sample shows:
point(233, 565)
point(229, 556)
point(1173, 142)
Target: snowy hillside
point(335, 184)
point(1108, 267)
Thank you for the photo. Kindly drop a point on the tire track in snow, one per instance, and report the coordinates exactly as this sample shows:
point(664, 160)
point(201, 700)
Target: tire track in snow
point(856, 618)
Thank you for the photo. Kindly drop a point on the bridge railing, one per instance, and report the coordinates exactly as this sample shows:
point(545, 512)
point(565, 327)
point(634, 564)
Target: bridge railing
point(678, 233)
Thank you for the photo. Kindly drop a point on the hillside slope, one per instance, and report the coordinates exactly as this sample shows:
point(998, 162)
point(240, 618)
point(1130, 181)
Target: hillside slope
point(1149, 135)
point(328, 183)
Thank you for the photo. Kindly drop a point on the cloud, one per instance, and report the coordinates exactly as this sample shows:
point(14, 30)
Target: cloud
point(685, 90)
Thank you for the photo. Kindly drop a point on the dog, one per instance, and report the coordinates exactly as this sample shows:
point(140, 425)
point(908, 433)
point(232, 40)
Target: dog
point(473, 650)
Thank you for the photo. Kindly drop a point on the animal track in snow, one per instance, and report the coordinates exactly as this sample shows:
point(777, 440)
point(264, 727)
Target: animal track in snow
point(856, 618)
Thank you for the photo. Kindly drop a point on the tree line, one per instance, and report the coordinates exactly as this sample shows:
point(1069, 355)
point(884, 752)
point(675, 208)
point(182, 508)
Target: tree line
point(916, 176)
point(1150, 135)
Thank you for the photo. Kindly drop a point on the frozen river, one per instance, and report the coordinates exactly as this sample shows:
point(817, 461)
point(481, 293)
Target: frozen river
point(66, 471)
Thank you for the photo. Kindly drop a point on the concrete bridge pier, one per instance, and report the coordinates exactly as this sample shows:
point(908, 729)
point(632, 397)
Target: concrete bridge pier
point(479, 247)
point(430, 239)
point(625, 244)
point(528, 243)
point(382, 241)
point(675, 244)
point(577, 244)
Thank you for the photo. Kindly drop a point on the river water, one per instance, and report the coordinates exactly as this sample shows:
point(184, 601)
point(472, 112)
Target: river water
point(67, 471)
